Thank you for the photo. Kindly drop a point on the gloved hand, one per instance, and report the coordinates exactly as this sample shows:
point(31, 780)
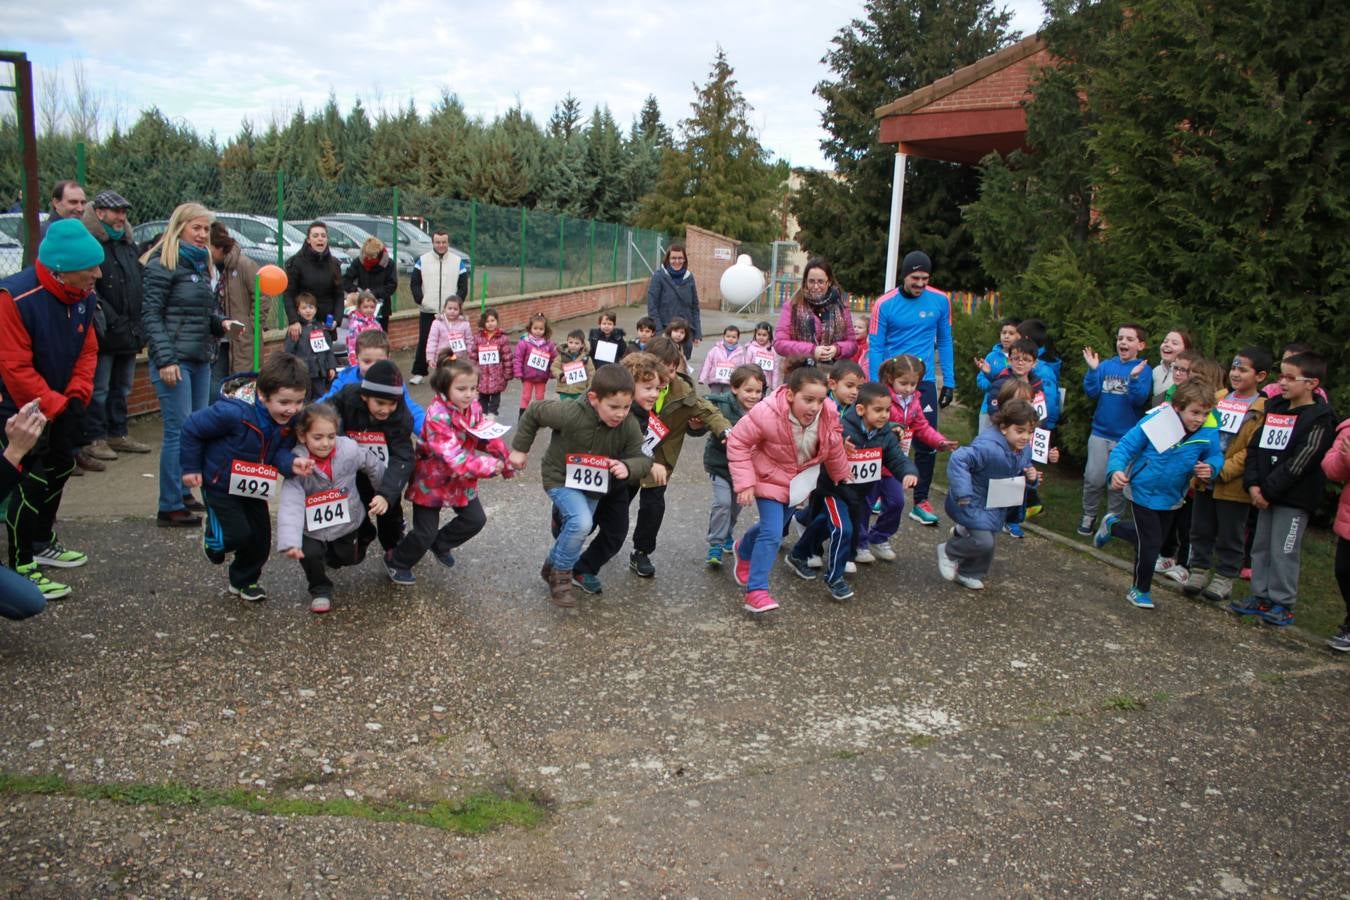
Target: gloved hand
point(945, 397)
point(67, 430)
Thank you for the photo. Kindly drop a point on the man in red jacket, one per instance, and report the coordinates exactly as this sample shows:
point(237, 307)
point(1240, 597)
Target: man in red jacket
point(48, 352)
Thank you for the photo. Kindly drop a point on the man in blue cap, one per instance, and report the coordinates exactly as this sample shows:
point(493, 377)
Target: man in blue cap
point(48, 353)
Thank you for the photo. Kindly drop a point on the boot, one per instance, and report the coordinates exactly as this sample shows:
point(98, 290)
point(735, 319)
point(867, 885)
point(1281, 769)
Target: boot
point(546, 572)
point(1195, 582)
point(560, 589)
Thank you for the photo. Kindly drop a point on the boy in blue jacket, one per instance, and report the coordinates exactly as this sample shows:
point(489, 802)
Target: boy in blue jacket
point(1156, 480)
point(372, 346)
point(1122, 387)
point(995, 361)
point(233, 450)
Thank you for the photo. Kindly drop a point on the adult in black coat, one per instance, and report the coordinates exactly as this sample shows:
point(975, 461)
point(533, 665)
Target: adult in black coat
point(314, 270)
point(372, 271)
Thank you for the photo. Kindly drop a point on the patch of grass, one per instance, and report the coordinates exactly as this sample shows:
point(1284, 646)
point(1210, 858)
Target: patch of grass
point(1124, 702)
point(922, 740)
point(1161, 697)
point(846, 754)
point(474, 814)
point(1271, 677)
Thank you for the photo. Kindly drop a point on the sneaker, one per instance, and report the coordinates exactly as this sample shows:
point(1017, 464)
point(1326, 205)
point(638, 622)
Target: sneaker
point(759, 602)
point(1035, 510)
point(1013, 529)
point(399, 575)
point(729, 546)
point(86, 462)
point(641, 564)
point(416, 379)
point(1341, 642)
point(1162, 564)
point(320, 604)
point(864, 555)
point(587, 582)
point(966, 581)
point(253, 592)
point(946, 565)
point(1141, 599)
point(850, 569)
point(1246, 574)
point(446, 559)
point(882, 551)
point(839, 590)
point(1103, 533)
point(815, 562)
point(125, 444)
point(1278, 615)
point(178, 518)
point(798, 565)
point(741, 571)
point(1177, 573)
point(58, 557)
point(100, 450)
point(216, 557)
point(1195, 582)
point(51, 590)
point(1219, 589)
point(877, 506)
point(1087, 525)
point(923, 513)
point(1252, 606)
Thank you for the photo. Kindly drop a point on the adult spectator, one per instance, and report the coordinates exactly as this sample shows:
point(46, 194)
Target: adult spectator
point(816, 324)
point(374, 271)
point(915, 318)
point(121, 335)
point(236, 273)
point(49, 355)
point(182, 323)
point(314, 270)
point(672, 294)
point(436, 275)
point(68, 202)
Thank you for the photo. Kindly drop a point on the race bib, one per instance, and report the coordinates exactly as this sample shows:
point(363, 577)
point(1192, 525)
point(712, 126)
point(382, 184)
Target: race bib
point(327, 509)
point(488, 430)
point(574, 372)
point(489, 356)
point(458, 344)
point(864, 465)
point(1040, 446)
point(318, 341)
point(656, 433)
point(1230, 413)
point(374, 441)
point(722, 374)
point(256, 480)
point(1278, 431)
point(537, 360)
point(765, 361)
point(1038, 403)
point(587, 473)
point(606, 351)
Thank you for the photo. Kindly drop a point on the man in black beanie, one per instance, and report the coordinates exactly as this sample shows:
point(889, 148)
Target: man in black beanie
point(916, 319)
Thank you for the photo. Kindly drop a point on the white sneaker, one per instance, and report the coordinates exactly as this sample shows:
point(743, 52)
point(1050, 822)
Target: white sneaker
point(883, 551)
point(815, 562)
point(1163, 564)
point(1177, 573)
point(850, 569)
point(320, 604)
point(864, 555)
point(946, 565)
point(974, 584)
point(416, 379)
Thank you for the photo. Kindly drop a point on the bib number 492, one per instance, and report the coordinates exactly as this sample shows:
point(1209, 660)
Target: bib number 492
point(255, 480)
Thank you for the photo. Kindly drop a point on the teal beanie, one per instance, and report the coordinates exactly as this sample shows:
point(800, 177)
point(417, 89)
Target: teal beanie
point(69, 247)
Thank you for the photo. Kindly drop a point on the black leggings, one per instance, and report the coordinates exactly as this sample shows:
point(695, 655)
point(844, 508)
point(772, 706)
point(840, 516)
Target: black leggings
point(1177, 543)
point(1146, 532)
point(1343, 573)
point(491, 403)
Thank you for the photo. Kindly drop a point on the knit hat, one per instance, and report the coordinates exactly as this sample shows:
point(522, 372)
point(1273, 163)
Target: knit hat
point(915, 261)
point(383, 380)
point(111, 200)
point(69, 247)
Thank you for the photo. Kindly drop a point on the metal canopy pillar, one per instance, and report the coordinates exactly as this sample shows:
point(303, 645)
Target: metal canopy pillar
point(893, 235)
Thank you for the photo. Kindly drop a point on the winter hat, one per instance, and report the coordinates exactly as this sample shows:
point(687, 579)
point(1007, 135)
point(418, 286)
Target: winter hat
point(69, 247)
point(915, 261)
point(111, 200)
point(383, 380)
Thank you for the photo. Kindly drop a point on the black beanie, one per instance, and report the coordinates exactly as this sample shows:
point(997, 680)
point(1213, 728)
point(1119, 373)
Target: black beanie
point(383, 380)
point(915, 261)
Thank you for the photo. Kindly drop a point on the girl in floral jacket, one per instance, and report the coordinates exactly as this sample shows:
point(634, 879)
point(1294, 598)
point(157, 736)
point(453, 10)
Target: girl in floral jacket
point(453, 455)
point(495, 363)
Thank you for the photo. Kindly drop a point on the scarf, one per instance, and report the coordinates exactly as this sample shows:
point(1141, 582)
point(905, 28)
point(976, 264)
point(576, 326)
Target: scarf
point(115, 233)
point(822, 321)
point(675, 274)
point(195, 256)
point(56, 287)
point(369, 262)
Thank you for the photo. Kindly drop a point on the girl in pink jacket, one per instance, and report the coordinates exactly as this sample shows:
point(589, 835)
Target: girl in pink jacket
point(534, 360)
point(360, 319)
point(451, 330)
point(722, 360)
point(458, 447)
point(1336, 466)
point(780, 443)
point(495, 362)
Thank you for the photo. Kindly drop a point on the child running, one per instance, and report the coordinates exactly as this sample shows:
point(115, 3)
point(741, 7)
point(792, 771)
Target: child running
point(450, 330)
point(494, 363)
point(372, 347)
point(607, 340)
point(312, 347)
point(454, 453)
point(781, 441)
point(722, 360)
point(317, 522)
point(747, 389)
point(533, 360)
point(572, 367)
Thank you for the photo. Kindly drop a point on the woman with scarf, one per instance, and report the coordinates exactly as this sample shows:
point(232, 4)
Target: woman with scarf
point(373, 271)
point(314, 270)
point(671, 294)
point(236, 274)
point(182, 326)
point(816, 324)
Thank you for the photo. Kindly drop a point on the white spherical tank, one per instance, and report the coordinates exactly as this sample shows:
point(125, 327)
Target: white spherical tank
point(742, 282)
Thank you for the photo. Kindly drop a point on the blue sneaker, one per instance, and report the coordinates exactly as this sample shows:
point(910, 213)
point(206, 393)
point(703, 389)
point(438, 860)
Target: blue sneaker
point(1252, 606)
point(587, 582)
point(1103, 533)
point(1278, 615)
point(877, 506)
point(729, 546)
point(1141, 599)
point(798, 565)
point(446, 559)
point(839, 590)
point(1012, 529)
point(399, 575)
point(715, 556)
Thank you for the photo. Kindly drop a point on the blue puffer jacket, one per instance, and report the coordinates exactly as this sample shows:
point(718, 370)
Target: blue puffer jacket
point(969, 472)
point(1159, 480)
point(231, 429)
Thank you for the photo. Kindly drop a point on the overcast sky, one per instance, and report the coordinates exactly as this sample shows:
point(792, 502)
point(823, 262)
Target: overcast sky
point(219, 63)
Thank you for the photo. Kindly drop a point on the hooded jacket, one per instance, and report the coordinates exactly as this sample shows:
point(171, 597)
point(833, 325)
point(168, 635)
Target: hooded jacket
point(1336, 466)
point(1292, 476)
point(347, 458)
point(442, 330)
point(451, 459)
point(493, 377)
point(49, 351)
point(616, 336)
point(670, 297)
point(1158, 480)
point(969, 471)
point(762, 454)
point(720, 356)
point(319, 274)
point(522, 353)
point(397, 430)
point(231, 429)
point(577, 429)
point(119, 290)
point(893, 458)
point(178, 310)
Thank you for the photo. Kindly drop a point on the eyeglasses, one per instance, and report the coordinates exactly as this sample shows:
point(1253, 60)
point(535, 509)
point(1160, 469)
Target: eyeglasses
point(1181, 370)
point(1294, 378)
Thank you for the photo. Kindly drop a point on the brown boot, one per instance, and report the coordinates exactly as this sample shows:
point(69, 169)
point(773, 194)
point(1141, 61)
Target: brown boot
point(546, 572)
point(560, 589)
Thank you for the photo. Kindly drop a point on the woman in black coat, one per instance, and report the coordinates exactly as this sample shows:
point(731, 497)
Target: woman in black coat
point(373, 271)
point(314, 271)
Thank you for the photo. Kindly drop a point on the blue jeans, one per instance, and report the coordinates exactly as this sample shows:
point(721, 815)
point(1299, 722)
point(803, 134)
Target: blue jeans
point(175, 405)
point(762, 540)
point(19, 597)
point(107, 415)
point(831, 534)
point(925, 457)
point(576, 510)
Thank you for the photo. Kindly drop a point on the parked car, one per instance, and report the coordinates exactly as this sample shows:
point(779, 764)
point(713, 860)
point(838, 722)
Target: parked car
point(11, 224)
point(263, 231)
point(147, 233)
point(11, 255)
point(412, 241)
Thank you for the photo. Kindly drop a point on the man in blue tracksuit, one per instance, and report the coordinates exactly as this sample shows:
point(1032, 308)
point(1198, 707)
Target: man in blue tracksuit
point(1122, 387)
point(916, 319)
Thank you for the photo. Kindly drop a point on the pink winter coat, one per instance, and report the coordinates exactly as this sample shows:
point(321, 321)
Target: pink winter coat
point(1336, 466)
point(450, 460)
point(357, 323)
point(761, 453)
point(544, 346)
point(441, 333)
point(910, 416)
point(492, 378)
point(719, 356)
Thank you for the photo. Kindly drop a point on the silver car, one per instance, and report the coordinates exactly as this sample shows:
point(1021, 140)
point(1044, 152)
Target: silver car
point(263, 231)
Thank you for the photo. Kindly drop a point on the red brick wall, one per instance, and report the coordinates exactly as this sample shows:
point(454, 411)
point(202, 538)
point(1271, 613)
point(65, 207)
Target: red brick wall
point(999, 90)
point(707, 269)
point(513, 312)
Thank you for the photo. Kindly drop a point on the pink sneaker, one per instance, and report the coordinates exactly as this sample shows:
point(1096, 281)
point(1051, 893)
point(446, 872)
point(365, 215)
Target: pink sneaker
point(1245, 574)
point(741, 571)
point(759, 602)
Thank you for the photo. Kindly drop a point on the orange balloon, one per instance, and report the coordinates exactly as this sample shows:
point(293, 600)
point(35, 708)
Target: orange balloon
point(272, 280)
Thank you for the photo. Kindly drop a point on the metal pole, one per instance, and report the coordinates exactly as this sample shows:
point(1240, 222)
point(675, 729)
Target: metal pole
point(281, 216)
point(482, 306)
point(257, 322)
point(522, 250)
point(393, 224)
point(80, 168)
point(614, 257)
point(562, 220)
point(628, 263)
point(473, 250)
point(773, 278)
point(591, 277)
point(893, 236)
